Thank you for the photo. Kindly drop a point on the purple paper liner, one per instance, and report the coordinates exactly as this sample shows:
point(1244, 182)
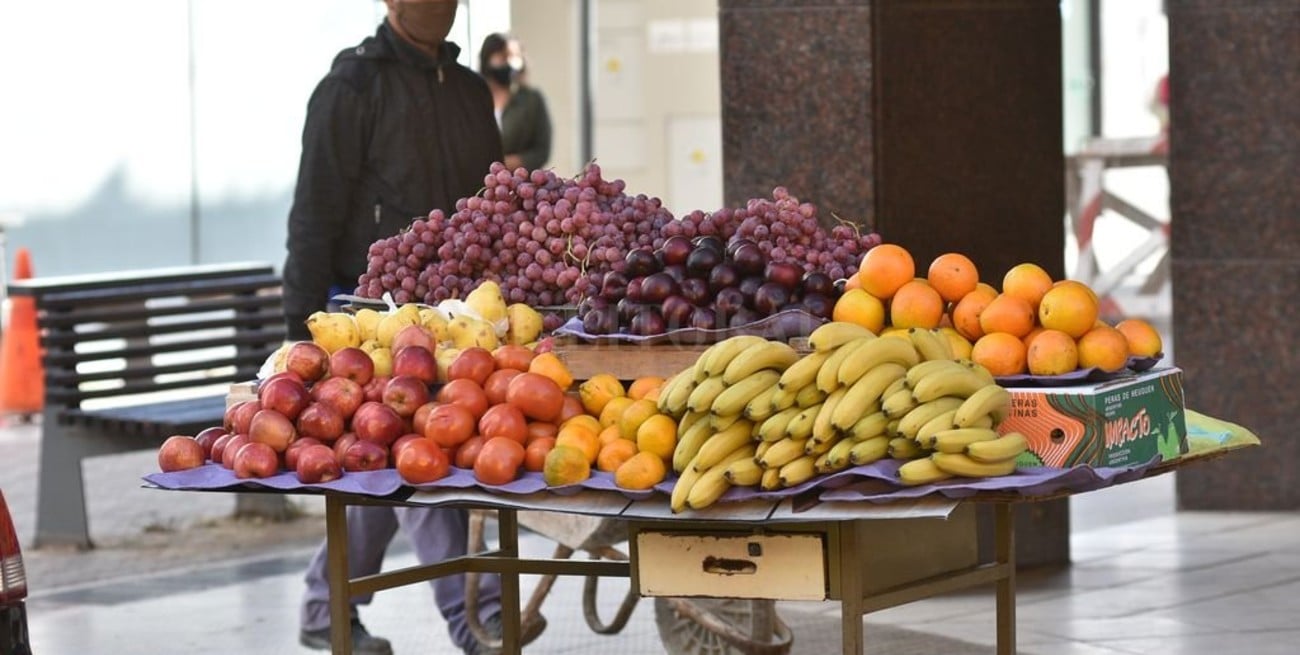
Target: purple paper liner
point(1035, 481)
point(211, 477)
point(1079, 376)
point(602, 481)
point(780, 326)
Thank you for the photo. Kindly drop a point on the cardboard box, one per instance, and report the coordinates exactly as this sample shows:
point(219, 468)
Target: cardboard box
point(1117, 423)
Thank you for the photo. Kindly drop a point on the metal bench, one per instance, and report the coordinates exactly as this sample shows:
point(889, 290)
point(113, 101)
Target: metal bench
point(133, 357)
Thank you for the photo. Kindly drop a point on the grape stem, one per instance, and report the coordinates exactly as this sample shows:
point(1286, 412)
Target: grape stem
point(856, 232)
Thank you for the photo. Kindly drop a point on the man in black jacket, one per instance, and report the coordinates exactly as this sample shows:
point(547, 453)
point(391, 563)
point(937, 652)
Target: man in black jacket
point(396, 129)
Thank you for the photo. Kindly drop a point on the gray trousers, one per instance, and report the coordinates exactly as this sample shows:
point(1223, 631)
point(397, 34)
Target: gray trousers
point(435, 534)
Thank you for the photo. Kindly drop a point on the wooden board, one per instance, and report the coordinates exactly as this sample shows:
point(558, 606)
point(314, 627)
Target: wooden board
point(627, 361)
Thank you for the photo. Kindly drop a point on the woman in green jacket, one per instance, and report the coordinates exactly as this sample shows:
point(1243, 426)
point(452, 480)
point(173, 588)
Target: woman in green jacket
point(520, 109)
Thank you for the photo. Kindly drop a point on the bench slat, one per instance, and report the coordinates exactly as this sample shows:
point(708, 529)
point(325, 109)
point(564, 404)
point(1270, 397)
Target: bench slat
point(157, 419)
point(70, 379)
point(73, 300)
point(271, 334)
point(242, 304)
point(69, 337)
point(67, 396)
point(125, 279)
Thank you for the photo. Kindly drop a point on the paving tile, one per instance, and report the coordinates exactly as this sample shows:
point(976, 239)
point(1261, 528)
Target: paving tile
point(1258, 643)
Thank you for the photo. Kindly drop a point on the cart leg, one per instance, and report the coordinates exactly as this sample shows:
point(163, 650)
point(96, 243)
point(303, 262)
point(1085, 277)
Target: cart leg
point(508, 527)
point(1005, 549)
point(336, 563)
point(851, 600)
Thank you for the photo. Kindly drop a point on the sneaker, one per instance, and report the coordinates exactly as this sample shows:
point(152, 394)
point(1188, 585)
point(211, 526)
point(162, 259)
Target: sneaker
point(363, 643)
point(493, 628)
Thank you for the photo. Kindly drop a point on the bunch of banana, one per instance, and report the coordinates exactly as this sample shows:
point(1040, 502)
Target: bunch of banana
point(971, 454)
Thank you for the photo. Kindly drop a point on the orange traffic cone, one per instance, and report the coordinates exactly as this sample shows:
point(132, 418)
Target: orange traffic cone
point(22, 378)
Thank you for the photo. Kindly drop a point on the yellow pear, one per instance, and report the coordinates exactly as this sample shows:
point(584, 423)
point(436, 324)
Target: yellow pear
point(333, 331)
point(368, 322)
point(370, 345)
point(466, 332)
point(444, 357)
point(393, 323)
point(525, 324)
point(383, 359)
point(486, 299)
point(435, 323)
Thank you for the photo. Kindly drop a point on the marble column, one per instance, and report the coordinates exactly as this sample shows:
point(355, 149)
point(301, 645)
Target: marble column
point(1235, 194)
point(938, 123)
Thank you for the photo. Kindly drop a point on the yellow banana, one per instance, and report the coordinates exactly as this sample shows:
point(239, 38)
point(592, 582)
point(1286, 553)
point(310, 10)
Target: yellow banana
point(837, 458)
point(743, 472)
point(682, 488)
point(989, 400)
point(698, 370)
point(868, 451)
point(687, 420)
point(904, 448)
point(960, 383)
point(702, 397)
point(891, 428)
point(801, 426)
point(721, 444)
point(713, 482)
point(803, 372)
point(753, 431)
point(911, 422)
point(784, 399)
point(771, 480)
point(780, 452)
point(979, 369)
point(690, 443)
point(985, 421)
point(898, 403)
point(822, 464)
point(760, 407)
point(828, 379)
point(927, 367)
point(720, 423)
point(760, 448)
point(925, 435)
point(673, 401)
point(956, 440)
point(728, 350)
point(1005, 447)
point(732, 400)
point(774, 355)
point(809, 396)
point(930, 344)
point(823, 430)
point(871, 425)
point(773, 429)
point(962, 465)
point(832, 335)
point(863, 396)
point(799, 471)
point(894, 387)
point(875, 353)
point(811, 447)
point(921, 471)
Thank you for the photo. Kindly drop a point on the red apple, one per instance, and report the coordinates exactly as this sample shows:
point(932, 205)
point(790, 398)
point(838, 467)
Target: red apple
point(416, 361)
point(273, 429)
point(396, 449)
point(378, 423)
point(414, 335)
point(472, 363)
point(320, 421)
point(365, 456)
point(421, 415)
point(310, 361)
point(342, 444)
point(232, 447)
point(284, 396)
point(375, 388)
point(180, 453)
point(294, 451)
point(405, 394)
point(242, 416)
point(353, 364)
point(219, 446)
point(343, 394)
point(317, 464)
point(207, 437)
point(256, 460)
point(422, 462)
point(544, 345)
point(282, 374)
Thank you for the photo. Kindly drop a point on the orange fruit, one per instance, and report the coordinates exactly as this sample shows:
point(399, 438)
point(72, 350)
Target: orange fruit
point(609, 434)
point(549, 365)
point(614, 409)
point(1028, 339)
point(658, 435)
point(884, 269)
point(953, 275)
point(1062, 283)
point(584, 421)
point(1028, 282)
point(966, 313)
point(597, 391)
point(858, 306)
point(1000, 353)
point(579, 438)
point(632, 417)
point(1052, 352)
point(1105, 348)
point(1143, 339)
point(1010, 314)
point(1070, 308)
point(641, 387)
point(916, 304)
point(641, 471)
point(613, 454)
point(565, 465)
point(853, 282)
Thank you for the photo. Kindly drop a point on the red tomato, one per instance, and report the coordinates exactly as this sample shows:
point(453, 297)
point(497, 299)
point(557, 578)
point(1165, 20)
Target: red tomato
point(535, 453)
point(511, 356)
point(504, 421)
point(467, 394)
point(449, 425)
point(536, 395)
point(402, 441)
point(420, 461)
point(497, 383)
point(472, 364)
point(540, 429)
point(467, 453)
point(572, 407)
point(499, 461)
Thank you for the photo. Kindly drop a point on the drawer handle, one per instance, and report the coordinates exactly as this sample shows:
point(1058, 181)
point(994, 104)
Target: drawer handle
point(724, 566)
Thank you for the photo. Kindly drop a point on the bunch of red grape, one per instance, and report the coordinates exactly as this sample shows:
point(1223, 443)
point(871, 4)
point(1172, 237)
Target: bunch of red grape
point(549, 240)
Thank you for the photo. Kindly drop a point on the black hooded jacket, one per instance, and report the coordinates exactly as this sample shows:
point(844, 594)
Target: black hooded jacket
point(390, 135)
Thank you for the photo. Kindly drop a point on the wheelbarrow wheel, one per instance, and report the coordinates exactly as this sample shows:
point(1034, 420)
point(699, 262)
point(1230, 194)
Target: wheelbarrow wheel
point(721, 626)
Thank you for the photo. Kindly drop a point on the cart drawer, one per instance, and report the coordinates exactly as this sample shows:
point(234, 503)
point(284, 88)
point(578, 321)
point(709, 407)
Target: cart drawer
point(730, 565)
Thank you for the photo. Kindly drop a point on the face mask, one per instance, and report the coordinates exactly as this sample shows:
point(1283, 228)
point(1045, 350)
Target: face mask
point(502, 75)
